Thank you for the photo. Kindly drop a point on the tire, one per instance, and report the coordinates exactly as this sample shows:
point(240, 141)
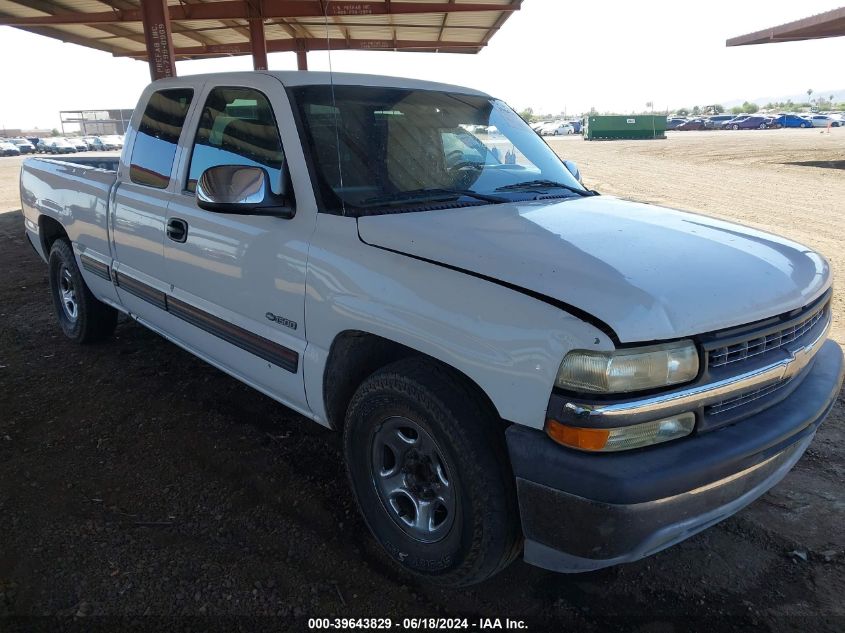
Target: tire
point(81, 316)
point(419, 428)
point(762, 126)
point(735, 126)
point(803, 125)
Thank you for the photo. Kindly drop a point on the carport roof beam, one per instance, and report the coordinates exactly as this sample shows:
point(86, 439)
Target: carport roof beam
point(268, 9)
point(208, 28)
point(822, 25)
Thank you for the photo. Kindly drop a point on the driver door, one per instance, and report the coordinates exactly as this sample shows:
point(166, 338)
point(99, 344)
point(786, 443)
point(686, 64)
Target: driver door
point(239, 280)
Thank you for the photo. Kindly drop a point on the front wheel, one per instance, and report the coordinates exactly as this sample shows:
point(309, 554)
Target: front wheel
point(803, 125)
point(735, 126)
point(81, 316)
point(427, 461)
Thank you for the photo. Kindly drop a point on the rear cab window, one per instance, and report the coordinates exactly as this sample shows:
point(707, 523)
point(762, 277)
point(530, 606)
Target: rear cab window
point(158, 137)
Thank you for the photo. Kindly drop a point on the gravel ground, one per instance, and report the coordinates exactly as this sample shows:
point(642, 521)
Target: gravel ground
point(136, 480)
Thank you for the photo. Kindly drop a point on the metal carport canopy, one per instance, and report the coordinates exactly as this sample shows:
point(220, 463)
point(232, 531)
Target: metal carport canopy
point(828, 24)
point(164, 31)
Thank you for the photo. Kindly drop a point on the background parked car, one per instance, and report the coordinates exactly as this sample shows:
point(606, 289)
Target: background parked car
point(558, 128)
point(823, 120)
point(791, 120)
point(576, 125)
point(9, 149)
point(117, 139)
point(78, 143)
point(23, 145)
point(715, 122)
point(729, 124)
point(56, 145)
point(748, 123)
point(692, 124)
point(98, 144)
point(674, 122)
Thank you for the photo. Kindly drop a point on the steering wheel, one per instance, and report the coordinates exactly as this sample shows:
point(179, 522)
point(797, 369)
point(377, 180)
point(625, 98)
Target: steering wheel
point(465, 165)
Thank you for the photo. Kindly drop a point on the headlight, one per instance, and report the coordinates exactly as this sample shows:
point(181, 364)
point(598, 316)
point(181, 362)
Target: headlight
point(624, 370)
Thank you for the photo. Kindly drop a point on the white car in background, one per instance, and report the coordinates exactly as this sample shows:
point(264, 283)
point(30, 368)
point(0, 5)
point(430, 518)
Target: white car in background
point(8, 148)
point(557, 129)
point(823, 120)
point(113, 139)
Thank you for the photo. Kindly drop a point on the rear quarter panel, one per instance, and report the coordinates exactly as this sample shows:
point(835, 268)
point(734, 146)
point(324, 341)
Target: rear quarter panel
point(75, 195)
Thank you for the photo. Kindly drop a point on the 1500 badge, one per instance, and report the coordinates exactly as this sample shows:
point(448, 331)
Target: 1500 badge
point(281, 320)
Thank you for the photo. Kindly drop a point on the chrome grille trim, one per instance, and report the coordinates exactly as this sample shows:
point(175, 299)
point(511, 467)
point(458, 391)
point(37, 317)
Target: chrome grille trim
point(653, 407)
point(749, 348)
point(745, 398)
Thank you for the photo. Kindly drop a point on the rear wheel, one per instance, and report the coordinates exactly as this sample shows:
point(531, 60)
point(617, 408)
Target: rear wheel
point(81, 316)
point(427, 461)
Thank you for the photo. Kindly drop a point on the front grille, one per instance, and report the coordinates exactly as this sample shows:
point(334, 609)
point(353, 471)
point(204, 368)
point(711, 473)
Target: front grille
point(743, 399)
point(743, 350)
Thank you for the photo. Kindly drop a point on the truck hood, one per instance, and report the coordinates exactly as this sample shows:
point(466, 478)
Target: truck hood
point(648, 272)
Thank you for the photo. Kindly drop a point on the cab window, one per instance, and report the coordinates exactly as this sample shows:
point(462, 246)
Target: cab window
point(237, 127)
point(158, 137)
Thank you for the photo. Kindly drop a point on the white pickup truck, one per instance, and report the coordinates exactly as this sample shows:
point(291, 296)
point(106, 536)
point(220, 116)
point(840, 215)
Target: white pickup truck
point(517, 364)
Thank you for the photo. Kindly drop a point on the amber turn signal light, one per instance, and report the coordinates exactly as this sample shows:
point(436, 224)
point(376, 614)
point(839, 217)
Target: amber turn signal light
point(577, 437)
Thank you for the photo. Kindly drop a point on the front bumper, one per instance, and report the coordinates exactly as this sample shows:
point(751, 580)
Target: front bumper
point(582, 511)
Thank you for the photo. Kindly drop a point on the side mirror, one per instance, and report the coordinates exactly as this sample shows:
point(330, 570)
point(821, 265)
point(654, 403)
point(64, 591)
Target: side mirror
point(572, 168)
point(239, 189)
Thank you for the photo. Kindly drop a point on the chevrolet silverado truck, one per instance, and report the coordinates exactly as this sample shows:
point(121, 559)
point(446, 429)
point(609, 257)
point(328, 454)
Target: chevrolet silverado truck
point(517, 364)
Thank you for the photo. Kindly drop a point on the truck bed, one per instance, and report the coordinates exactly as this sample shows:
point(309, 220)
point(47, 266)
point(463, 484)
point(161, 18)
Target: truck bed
point(73, 191)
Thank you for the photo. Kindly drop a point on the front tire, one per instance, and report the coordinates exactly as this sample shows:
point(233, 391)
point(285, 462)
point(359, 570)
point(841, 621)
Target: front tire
point(81, 316)
point(427, 462)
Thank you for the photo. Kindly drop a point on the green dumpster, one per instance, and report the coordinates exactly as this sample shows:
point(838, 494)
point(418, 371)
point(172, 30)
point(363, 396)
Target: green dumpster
point(611, 127)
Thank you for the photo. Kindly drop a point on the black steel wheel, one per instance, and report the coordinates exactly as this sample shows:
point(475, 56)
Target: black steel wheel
point(81, 316)
point(427, 461)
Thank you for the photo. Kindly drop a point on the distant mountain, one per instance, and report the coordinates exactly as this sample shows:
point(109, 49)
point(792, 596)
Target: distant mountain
point(838, 96)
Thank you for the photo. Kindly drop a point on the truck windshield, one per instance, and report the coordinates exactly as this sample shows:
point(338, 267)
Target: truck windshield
point(382, 150)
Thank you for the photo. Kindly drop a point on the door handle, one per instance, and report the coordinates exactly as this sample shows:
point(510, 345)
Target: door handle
point(177, 230)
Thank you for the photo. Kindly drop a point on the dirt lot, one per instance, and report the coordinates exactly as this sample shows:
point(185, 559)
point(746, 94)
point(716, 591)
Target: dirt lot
point(135, 479)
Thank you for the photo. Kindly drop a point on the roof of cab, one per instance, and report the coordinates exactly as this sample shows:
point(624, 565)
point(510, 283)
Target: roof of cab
point(310, 78)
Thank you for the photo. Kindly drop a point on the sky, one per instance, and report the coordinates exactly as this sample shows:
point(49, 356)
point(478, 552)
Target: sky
point(552, 56)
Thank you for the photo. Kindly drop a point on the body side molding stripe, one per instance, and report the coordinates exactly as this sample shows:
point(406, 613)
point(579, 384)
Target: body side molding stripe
point(141, 290)
point(95, 267)
point(246, 340)
point(264, 348)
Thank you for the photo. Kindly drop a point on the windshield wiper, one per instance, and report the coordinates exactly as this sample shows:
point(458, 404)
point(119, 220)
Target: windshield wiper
point(417, 195)
point(546, 184)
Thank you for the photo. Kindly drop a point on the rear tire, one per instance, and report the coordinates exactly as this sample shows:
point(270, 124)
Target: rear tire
point(427, 461)
point(81, 316)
